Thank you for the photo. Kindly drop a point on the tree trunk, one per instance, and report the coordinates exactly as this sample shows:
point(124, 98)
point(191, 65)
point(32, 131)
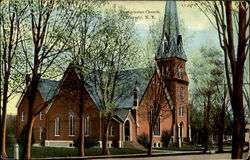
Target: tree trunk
point(81, 149)
point(82, 120)
point(0, 86)
point(4, 116)
point(222, 124)
point(150, 140)
point(31, 97)
point(237, 68)
point(28, 155)
point(105, 147)
point(206, 122)
point(238, 111)
point(205, 127)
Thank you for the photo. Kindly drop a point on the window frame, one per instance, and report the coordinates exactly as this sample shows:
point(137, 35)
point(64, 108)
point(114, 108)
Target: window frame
point(87, 125)
point(164, 44)
point(57, 126)
point(180, 72)
point(41, 115)
point(181, 111)
point(22, 116)
point(72, 123)
point(157, 129)
point(111, 133)
point(41, 133)
point(181, 94)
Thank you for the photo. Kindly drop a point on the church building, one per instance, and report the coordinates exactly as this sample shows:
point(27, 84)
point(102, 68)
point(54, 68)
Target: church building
point(59, 124)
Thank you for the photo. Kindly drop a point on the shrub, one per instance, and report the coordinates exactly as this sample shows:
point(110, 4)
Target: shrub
point(22, 138)
point(88, 142)
point(165, 137)
point(10, 139)
point(143, 140)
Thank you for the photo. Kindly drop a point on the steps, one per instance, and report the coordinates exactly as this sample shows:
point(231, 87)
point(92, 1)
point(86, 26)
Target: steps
point(133, 145)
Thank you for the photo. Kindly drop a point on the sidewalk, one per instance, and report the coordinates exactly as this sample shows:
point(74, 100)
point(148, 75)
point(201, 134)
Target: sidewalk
point(141, 155)
point(156, 153)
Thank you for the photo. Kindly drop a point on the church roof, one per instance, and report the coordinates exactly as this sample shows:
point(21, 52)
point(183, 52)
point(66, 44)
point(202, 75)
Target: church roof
point(124, 93)
point(170, 33)
point(47, 88)
point(122, 113)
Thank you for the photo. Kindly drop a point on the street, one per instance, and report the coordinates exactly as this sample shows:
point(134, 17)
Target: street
point(187, 157)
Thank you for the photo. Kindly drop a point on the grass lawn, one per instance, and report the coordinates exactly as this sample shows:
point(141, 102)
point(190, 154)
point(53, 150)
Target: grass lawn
point(172, 147)
point(43, 152)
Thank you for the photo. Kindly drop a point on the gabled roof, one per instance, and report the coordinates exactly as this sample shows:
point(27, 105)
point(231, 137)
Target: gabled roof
point(124, 93)
point(47, 88)
point(122, 113)
point(171, 34)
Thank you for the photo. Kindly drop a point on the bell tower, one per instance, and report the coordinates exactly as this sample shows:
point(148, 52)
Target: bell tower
point(171, 66)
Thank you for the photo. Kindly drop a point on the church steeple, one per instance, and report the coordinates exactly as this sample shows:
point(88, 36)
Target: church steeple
point(171, 42)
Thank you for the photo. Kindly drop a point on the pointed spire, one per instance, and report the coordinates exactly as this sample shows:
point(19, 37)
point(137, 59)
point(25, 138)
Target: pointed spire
point(171, 41)
point(171, 24)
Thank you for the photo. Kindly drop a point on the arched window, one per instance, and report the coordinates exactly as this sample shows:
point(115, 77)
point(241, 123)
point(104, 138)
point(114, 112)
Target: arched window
point(41, 115)
point(165, 44)
point(181, 94)
point(111, 131)
point(41, 133)
point(87, 125)
point(57, 126)
point(157, 128)
point(180, 75)
point(181, 111)
point(22, 116)
point(71, 122)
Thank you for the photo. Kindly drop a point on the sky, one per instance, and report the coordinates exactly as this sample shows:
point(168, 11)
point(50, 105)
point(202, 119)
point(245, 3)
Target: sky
point(199, 31)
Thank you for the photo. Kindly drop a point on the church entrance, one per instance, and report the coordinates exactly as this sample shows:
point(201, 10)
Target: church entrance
point(127, 131)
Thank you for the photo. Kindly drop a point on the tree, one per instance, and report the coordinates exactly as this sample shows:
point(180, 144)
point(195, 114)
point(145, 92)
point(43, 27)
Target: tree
point(230, 18)
point(10, 43)
point(207, 73)
point(114, 48)
point(49, 24)
point(84, 39)
point(156, 108)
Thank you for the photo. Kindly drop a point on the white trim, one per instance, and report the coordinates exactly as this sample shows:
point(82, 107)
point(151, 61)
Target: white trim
point(110, 143)
point(131, 116)
point(120, 144)
point(157, 144)
point(100, 143)
point(59, 143)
